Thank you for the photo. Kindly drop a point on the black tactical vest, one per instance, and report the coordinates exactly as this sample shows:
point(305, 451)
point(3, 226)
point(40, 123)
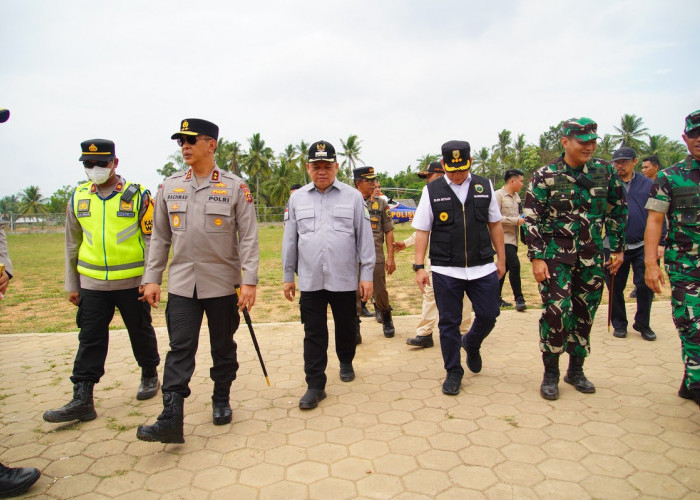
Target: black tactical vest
point(460, 234)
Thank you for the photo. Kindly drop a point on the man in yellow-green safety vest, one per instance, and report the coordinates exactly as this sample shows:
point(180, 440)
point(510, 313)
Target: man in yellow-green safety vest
point(108, 227)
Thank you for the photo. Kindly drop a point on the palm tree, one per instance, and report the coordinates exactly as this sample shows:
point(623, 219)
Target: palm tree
point(8, 204)
point(351, 152)
point(256, 162)
point(606, 147)
point(481, 159)
point(502, 151)
point(630, 130)
point(228, 156)
point(302, 150)
point(425, 161)
point(277, 186)
point(32, 202)
point(518, 147)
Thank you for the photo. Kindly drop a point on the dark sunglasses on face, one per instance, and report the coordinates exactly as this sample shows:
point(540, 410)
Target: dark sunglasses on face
point(96, 163)
point(693, 134)
point(190, 139)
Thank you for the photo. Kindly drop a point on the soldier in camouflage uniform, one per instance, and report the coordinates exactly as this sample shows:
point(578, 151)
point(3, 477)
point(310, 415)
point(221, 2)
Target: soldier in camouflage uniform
point(676, 195)
point(567, 205)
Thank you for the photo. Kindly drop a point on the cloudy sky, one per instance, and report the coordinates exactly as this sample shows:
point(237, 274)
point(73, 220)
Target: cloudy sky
point(404, 75)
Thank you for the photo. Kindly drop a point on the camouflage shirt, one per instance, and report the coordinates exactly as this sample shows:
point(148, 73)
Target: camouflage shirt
point(676, 193)
point(566, 210)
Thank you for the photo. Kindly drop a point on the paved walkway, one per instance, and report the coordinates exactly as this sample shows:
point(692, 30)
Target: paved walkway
point(389, 434)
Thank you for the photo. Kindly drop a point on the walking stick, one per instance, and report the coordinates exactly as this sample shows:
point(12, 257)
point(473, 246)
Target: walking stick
point(610, 293)
point(252, 335)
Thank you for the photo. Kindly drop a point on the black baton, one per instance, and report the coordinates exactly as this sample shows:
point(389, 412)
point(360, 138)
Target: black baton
point(252, 335)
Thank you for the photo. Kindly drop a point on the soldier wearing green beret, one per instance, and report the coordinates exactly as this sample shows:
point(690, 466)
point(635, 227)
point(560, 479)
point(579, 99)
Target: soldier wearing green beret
point(568, 204)
point(675, 195)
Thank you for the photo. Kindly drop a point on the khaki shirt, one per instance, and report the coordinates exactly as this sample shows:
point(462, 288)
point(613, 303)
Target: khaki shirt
point(213, 231)
point(74, 281)
point(380, 218)
point(4, 254)
point(510, 210)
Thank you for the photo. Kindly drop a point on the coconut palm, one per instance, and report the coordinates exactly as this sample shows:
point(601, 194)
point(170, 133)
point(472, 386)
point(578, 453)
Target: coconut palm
point(256, 162)
point(502, 151)
point(481, 159)
point(605, 147)
point(32, 202)
point(302, 150)
point(228, 156)
point(277, 186)
point(630, 130)
point(518, 147)
point(351, 152)
point(425, 161)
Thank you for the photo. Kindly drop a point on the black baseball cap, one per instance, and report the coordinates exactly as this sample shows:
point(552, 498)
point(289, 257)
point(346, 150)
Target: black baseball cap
point(4, 115)
point(321, 151)
point(456, 156)
point(197, 126)
point(97, 150)
point(434, 168)
point(624, 154)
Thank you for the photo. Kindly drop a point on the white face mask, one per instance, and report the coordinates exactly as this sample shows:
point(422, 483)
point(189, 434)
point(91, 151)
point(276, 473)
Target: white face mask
point(98, 175)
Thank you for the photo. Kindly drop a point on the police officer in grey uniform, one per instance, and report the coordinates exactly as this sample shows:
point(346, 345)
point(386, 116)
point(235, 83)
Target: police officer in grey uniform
point(208, 217)
point(327, 234)
point(13, 480)
point(382, 227)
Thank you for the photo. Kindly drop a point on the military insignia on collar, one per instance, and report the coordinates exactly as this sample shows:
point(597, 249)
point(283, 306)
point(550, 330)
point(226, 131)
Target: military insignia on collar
point(456, 157)
point(92, 148)
point(443, 216)
point(179, 190)
point(119, 187)
point(93, 188)
point(375, 205)
point(126, 206)
point(189, 175)
point(478, 188)
point(220, 185)
point(215, 175)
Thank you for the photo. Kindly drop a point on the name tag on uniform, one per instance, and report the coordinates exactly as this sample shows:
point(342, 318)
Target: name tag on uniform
point(173, 196)
point(219, 199)
point(481, 196)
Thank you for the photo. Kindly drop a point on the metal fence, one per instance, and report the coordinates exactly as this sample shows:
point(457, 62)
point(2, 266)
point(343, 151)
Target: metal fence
point(49, 222)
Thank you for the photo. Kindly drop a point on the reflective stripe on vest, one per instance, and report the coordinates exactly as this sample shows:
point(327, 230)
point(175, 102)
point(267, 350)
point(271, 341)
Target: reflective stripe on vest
point(112, 246)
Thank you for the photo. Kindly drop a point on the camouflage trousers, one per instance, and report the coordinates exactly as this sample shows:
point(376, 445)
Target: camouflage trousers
point(685, 307)
point(570, 299)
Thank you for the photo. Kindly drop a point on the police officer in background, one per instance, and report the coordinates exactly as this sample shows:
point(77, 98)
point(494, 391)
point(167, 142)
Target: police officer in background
point(108, 227)
point(326, 236)
point(208, 217)
point(568, 204)
point(459, 214)
point(13, 480)
point(429, 312)
point(676, 195)
point(382, 227)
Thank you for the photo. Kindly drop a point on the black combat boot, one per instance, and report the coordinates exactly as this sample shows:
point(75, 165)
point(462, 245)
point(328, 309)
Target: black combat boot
point(377, 314)
point(387, 324)
point(15, 481)
point(81, 407)
point(550, 388)
point(364, 312)
point(221, 407)
point(575, 376)
point(168, 427)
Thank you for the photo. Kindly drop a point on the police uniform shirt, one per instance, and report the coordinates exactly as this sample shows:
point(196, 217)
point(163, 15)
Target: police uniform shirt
point(213, 231)
point(74, 238)
point(381, 222)
point(423, 221)
point(326, 236)
point(509, 206)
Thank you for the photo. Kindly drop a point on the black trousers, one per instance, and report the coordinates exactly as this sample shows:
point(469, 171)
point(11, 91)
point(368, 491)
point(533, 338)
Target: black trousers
point(513, 272)
point(633, 259)
point(184, 320)
point(449, 297)
point(95, 312)
point(314, 316)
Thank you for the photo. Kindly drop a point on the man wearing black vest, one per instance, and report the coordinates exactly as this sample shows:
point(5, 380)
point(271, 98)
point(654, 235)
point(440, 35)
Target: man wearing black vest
point(460, 216)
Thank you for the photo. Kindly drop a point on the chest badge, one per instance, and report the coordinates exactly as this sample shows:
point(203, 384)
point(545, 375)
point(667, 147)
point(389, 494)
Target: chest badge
point(375, 205)
point(218, 221)
point(174, 206)
point(443, 216)
point(179, 190)
point(126, 206)
point(83, 205)
point(176, 221)
point(478, 188)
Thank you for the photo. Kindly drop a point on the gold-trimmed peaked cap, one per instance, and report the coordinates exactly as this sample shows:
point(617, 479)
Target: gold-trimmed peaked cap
point(197, 126)
point(97, 150)
point(365, 172)
point(456, 156)
point(321, 151)
point(435, 167)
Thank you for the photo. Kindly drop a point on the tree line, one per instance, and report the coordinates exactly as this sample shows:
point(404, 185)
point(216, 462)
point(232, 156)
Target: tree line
point(270, 175)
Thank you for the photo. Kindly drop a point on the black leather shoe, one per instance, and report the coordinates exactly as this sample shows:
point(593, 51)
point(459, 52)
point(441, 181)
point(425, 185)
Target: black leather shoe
point(474, 360)
point(221, 412)
point(364, 312)
point(647, 333)
point(520, 305)
point(452, 383)
point(148, 388)
point(620, 333)
point(15, 481)
point(421, 341)
point(312, 398)
point(347, 374)
point(505, 304)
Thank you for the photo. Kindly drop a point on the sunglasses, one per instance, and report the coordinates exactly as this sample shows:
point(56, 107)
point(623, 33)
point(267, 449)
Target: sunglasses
point(191, 139)
point(693, 134)
point(96, 163)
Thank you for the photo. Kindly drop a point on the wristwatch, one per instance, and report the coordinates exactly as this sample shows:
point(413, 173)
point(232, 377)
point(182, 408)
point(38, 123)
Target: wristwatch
point(416, 267)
